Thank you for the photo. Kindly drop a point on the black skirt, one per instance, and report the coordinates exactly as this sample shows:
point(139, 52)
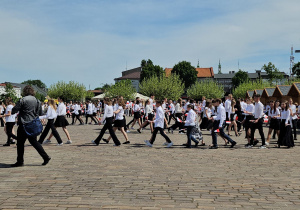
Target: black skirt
point(275, 124)
point(247, 121)
point(137, 115)
point(61, 121)
point(232, 117)
point(119, 123)
point(204, 123)
point(285, 136)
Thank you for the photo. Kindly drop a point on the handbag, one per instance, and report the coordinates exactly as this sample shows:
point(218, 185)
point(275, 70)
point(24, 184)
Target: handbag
point(35, 127)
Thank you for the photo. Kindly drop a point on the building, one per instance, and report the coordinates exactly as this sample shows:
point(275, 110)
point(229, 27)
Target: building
point(133, 75)
point(17, 89)
point(202, 73)
point(226, 79)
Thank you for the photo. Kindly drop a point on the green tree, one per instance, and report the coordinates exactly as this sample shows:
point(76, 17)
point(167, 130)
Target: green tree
point(273, 72)
point(9, 93)
point(37, 82)
point(162, 87)
point(149, 70)
point(207, 88)
point(123, 88)
point(239, 78)
point(70, 91)
point(187, 73)
point(296, 70)
point(241, 90)
point(104, 87)
point(40, 96)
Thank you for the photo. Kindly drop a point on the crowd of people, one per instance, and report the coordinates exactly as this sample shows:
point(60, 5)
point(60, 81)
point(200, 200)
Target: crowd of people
point(214, 115)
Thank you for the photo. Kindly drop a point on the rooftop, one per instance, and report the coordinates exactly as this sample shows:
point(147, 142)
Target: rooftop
point(202, 72)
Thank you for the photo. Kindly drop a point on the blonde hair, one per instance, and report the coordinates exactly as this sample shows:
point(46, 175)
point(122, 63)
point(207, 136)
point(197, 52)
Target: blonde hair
point(52, 104)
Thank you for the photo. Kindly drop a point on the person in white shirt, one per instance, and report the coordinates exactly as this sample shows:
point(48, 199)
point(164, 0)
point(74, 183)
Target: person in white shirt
point(294, 117)
point(171, 111)
point(51, 115)
point(119, 120)
point(89, 112)
point(247, 122)
point(159, 126)
point(274, 123)
point(232, 115)
point(148, 117)
point(77, 112)
point(190, 123)
point(219, 124)
point(10, 120)
point(258, 122)
point(228, 106)
point(178, 116)
point(108, 117)
point(2, 112)
point(61, 121)
point(285, 136)
point(137, 114)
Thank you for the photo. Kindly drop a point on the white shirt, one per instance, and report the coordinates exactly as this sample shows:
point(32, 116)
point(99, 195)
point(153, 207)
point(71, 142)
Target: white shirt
point(120, 114)
point(12, 117)
point(51, 114)
point(258, 110)
point(90, 108)
point(208, 110)
point(76, 109)
point(227, 105)
point(159, 118)
point(163, 106)
point(178, 108)
point(221, 115)
point(61, 109)
point(190, 119)
point(148, 110)
point(172, 108)
point(108, 112)
point(293, 108)
point(250, 109)
point(273, 113)
point(185, 106)
point(243, 106)
point(285, 115)
point(136, 108)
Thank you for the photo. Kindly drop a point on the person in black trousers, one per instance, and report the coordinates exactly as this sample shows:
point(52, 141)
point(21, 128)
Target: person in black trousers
point(29, 108)
point(10, 123)
point(51, 115)
point(108, 117)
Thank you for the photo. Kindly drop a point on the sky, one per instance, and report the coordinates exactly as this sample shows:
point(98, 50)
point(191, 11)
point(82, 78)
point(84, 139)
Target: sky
point(93, 41)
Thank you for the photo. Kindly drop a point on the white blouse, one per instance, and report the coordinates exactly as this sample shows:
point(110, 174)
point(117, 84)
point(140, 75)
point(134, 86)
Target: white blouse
point(273, 113)
point(51, 114)
point(286, 115)
point(108, 112)
point(120, 114)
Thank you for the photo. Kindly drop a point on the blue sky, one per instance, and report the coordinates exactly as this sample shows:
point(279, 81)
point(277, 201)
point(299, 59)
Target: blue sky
point(91, 41)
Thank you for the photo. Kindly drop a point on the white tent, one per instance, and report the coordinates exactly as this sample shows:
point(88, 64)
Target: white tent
point(101, 96)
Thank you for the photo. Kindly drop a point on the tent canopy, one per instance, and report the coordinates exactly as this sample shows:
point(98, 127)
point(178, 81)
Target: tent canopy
point(101, 96)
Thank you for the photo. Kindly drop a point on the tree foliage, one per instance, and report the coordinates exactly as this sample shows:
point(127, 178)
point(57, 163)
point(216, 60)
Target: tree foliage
point(70, 91)
point(103, 87)
point(296, 70)
point(149, 70)
point(241, 90)
point(239, 78)
point(273, 72)
point(162, 87)
point(207, 88)
point(36, 82)
point(123, 88)
point(10, 93)
point(187, 73)
point(40, 96)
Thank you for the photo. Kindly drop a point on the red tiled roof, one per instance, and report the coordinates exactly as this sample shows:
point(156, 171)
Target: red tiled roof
point(202, 72)
point(133, 75)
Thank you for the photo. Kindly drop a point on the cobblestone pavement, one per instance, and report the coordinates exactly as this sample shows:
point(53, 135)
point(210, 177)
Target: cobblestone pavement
point(83, 176)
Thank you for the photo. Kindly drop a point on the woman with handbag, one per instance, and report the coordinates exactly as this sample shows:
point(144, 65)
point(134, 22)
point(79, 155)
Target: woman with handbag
point(51, 115)
point(29, 109)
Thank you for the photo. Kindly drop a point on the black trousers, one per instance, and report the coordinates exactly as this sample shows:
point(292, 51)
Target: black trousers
point(108, 125)
point(259, 126)
point(170, 118)
point(73, 118)
point(78, 118)
point(177, 124)
point(9, 127)
point(50, 125)
point(294, 122)
point(161, 130)
point(2, 122)
point(22, 136)
point(87, 117)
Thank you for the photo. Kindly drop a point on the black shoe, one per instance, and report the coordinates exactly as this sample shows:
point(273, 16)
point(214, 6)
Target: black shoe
point(6, 145)
point(12, 142)
point(255, 142)
point(139, 130)
point(184, 144)
point(189, 147)
point(46, 161)
point(233, 144)
point(17, 165)
point(126, 142)
point(213, 147)
point(196, 144)
point(295, 139)
point(105, 141)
